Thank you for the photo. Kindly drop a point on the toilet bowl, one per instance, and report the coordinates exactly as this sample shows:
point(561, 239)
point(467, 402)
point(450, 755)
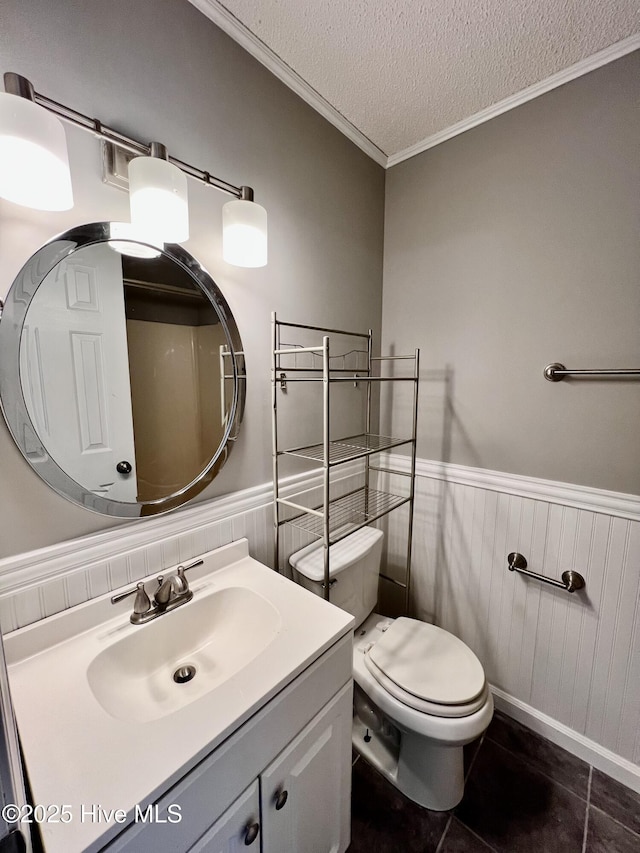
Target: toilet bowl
point(420, 693)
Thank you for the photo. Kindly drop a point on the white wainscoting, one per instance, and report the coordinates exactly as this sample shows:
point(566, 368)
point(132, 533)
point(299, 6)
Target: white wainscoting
point(552, 656)
point(43, 582)
point(566, 665)
point(49, 580)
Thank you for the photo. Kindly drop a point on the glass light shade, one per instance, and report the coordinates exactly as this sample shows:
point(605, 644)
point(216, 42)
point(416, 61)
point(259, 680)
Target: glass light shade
point(143, 245)
point(244, 234)
point(158, 199)
point(34, 164)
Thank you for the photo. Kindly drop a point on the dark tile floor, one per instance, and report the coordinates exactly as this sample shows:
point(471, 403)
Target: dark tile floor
point(523, 795)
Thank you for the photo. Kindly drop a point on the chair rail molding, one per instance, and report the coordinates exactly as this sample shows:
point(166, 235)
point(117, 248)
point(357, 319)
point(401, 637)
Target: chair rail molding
point(620, 504)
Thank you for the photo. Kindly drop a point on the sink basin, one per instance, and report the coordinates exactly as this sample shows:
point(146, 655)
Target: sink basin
point(203, 643)
point(121, 725)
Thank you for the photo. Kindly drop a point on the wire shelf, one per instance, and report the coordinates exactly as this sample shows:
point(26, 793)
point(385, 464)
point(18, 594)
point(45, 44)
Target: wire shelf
point(345, 449)
point(359, 507)
point(338, 514)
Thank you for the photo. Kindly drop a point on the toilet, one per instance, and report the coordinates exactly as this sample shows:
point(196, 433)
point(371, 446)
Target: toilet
point(420, 693)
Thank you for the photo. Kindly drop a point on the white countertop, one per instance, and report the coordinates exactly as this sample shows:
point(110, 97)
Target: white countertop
point(77, 754)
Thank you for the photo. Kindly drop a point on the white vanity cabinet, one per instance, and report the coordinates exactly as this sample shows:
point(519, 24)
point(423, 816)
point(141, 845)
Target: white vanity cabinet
point(298, 804)
point(305, 792)
point(239, 827)
point(280, 784)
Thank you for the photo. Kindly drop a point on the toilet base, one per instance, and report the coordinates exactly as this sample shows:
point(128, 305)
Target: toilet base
point(429, 773)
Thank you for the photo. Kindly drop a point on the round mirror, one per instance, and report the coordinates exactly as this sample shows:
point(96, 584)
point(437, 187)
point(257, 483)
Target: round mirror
point(121, 371)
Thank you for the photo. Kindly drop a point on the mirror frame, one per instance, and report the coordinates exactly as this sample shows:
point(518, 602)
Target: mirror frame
point(13, 404)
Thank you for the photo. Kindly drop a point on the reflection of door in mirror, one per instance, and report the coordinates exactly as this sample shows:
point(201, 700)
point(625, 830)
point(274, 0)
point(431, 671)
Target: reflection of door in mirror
point(75, 372)
point(174, 338)
point(121, 372)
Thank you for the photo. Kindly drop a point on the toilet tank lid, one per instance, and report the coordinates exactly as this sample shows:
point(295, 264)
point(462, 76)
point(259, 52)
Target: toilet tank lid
point(309, 561)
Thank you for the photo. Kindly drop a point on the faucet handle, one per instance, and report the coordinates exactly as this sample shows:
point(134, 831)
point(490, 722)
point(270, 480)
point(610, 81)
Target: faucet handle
point(182, 584)
point(142, 601)
point(190, 566)
point(121, 595)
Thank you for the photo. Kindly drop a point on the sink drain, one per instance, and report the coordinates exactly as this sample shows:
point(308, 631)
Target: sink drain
point(184, 673)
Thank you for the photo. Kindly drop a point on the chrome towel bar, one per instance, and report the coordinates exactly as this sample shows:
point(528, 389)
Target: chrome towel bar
point(556, 372)
point(570, 580)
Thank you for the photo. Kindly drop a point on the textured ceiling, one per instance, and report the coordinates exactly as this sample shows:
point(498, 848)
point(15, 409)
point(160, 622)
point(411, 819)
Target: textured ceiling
point(404, 72)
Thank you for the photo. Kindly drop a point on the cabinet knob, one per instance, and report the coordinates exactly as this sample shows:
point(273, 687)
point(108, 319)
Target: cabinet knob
point(281, 798)
point(124, 467)
point(251, 833)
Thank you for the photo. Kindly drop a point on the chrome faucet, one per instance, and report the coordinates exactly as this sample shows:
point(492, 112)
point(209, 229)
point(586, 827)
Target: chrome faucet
point(170, 588)
point(170, 593)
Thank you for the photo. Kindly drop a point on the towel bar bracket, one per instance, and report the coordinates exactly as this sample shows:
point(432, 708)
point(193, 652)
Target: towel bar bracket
point(551, 372)
point(570, 580)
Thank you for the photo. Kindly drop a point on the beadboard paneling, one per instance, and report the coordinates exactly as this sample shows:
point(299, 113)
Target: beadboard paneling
point(573, 657)
point(50, 580)
point(44, 582)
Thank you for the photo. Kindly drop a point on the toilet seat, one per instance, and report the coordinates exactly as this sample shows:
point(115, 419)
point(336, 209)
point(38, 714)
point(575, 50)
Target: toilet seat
point(427, 669)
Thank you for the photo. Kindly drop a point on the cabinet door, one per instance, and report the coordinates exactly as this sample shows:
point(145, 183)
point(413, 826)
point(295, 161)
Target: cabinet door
point(306, 791)
point(237, 829)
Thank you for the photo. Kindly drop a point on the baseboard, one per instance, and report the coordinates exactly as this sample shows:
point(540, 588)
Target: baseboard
point(588, 750)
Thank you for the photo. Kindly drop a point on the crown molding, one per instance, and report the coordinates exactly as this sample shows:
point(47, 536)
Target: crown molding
point(603, 57)
point(234, 28)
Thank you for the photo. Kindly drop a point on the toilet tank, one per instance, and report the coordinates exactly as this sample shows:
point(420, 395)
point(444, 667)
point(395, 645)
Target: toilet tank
point(354, 566)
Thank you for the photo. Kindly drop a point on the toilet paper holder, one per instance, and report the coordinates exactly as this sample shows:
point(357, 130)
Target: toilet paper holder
point(570, 580)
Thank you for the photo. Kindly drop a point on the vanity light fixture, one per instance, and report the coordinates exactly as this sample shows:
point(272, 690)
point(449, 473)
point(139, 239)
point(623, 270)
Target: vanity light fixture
point(158, 196)
point(244, 221)
point(34, 164)
point(244, 231)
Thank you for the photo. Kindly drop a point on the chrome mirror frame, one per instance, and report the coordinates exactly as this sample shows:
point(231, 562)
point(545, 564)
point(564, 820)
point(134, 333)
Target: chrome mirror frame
point(12, 400)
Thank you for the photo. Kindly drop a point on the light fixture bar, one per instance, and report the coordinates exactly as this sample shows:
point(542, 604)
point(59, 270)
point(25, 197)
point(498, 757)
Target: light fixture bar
point(15, 84)
point(207, 178)
point(159, 204)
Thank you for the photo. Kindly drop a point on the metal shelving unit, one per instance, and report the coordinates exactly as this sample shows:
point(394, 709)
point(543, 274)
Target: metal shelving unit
point(328, 518)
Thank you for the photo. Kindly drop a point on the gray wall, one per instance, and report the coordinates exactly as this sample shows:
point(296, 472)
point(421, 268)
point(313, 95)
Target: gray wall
point(159, 70)
point(514, 245)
